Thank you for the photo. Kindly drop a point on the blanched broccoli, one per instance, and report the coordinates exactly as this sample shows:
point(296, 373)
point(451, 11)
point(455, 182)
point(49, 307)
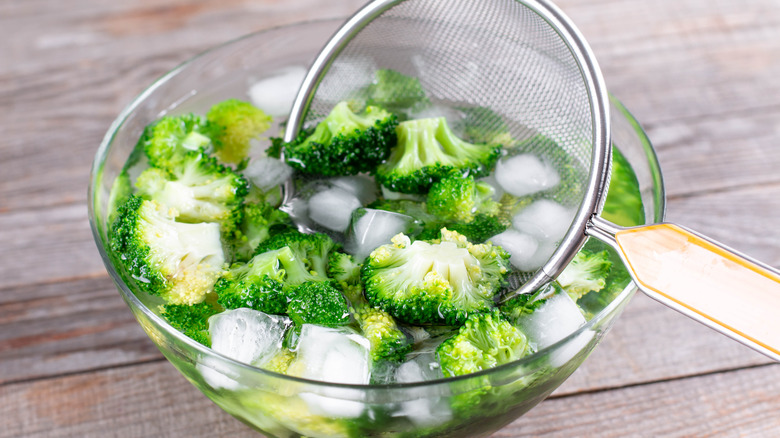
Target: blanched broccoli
point(387, 341)
point(428, 151)
point(258, 222)
point(260, 283)
point(232, 124)
point(434, 282)
point(192, 320)
point(587, 272)
point(344, 143)
point(177, 261)
point(485, 341)
point(459, 199)
point(311, 249)
point(198, 188)
point(166, 141)
point(526, 304)
point(483, 125)
point(318, 302)
point(396, 92)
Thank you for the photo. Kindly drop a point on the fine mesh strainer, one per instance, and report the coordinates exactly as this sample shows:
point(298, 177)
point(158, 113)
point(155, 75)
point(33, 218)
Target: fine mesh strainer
point(524, 60)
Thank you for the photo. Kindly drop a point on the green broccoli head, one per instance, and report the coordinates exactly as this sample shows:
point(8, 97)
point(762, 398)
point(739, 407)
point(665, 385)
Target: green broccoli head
point(167, 140)
point(259, 284)
point(232, 124)
point(440, 281)
point(483, 125)
point(343, 269)
point(485, 341)
point(587, 272)
point(192, 320)
point(198, 188)
point(177, 261)
point(320, 303)
point(344, 143)
point(258, 222)
point(387, 341)
point(312, 250)
point(459, 199)
point(396, 92)
point(428, 151)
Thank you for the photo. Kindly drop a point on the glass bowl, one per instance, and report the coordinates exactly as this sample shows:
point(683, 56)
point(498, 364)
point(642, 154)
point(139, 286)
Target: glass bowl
point(283, 406)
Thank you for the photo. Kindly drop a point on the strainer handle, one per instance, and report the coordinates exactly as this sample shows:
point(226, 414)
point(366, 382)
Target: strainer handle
point(703, 279)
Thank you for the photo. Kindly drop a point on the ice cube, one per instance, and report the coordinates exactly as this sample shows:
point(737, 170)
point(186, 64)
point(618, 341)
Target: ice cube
point(247, 335)
point(363, 187)
point(525, 174)
point(522, 248)
point(373, 228)
point(427, 410)
point(556, 319)
point(336, 355)
point(544, 219)
point(267, 172)
point(275, 94)
point(332, 208)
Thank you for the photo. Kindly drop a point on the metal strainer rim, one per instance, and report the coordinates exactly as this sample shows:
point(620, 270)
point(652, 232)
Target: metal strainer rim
point(598, 179)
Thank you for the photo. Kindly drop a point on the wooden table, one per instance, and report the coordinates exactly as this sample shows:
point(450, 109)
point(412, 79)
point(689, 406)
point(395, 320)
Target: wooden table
point(703, 77)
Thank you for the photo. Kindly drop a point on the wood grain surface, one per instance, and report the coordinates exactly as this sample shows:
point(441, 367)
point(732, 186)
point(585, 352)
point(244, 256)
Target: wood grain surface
point(703, 77)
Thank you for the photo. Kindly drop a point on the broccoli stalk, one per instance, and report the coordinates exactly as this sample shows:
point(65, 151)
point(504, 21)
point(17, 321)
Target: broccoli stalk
point(386, 339)
point(428, 151)
point(177, 261)
point(232, 124)
point(344, 143)
point(440, 281)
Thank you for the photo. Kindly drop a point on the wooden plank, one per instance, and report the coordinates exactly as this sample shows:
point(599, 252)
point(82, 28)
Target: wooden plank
point(67, 327)
point(41, 246)
point(139, 401)
point(741, 403)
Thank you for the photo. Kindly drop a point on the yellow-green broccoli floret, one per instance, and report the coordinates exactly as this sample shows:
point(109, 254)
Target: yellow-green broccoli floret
point(587, 272)
point(167, 140)
point(232, 124)
point(198, 188)
point(440, 281)
point(259, 221)
point(427, 151)
point(485, 341)
point(312, 249)
point(344, 143)
point(177, 261)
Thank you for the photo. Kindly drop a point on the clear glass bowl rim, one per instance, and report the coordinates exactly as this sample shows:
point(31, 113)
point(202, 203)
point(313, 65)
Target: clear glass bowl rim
point(659, 199)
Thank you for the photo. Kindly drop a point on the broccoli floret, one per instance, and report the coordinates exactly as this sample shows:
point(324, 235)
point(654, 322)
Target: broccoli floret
point(482, 228)
point(459, 199)
point(192, 320)
point(623, 205)
point(486, 340)
point(344, 143)
point(483, 125)
point(232, 124)
point(280, 362)
point(198, 188)
point(526, 304)
point(396, 92)
point(263, 283)
point(311, 249)
point(177, 261)
point(587, 272)
point(320, 303)
point(166, 141)
point(388, 342)
point(440, 281)
point(259, 221)
point(428, 151)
